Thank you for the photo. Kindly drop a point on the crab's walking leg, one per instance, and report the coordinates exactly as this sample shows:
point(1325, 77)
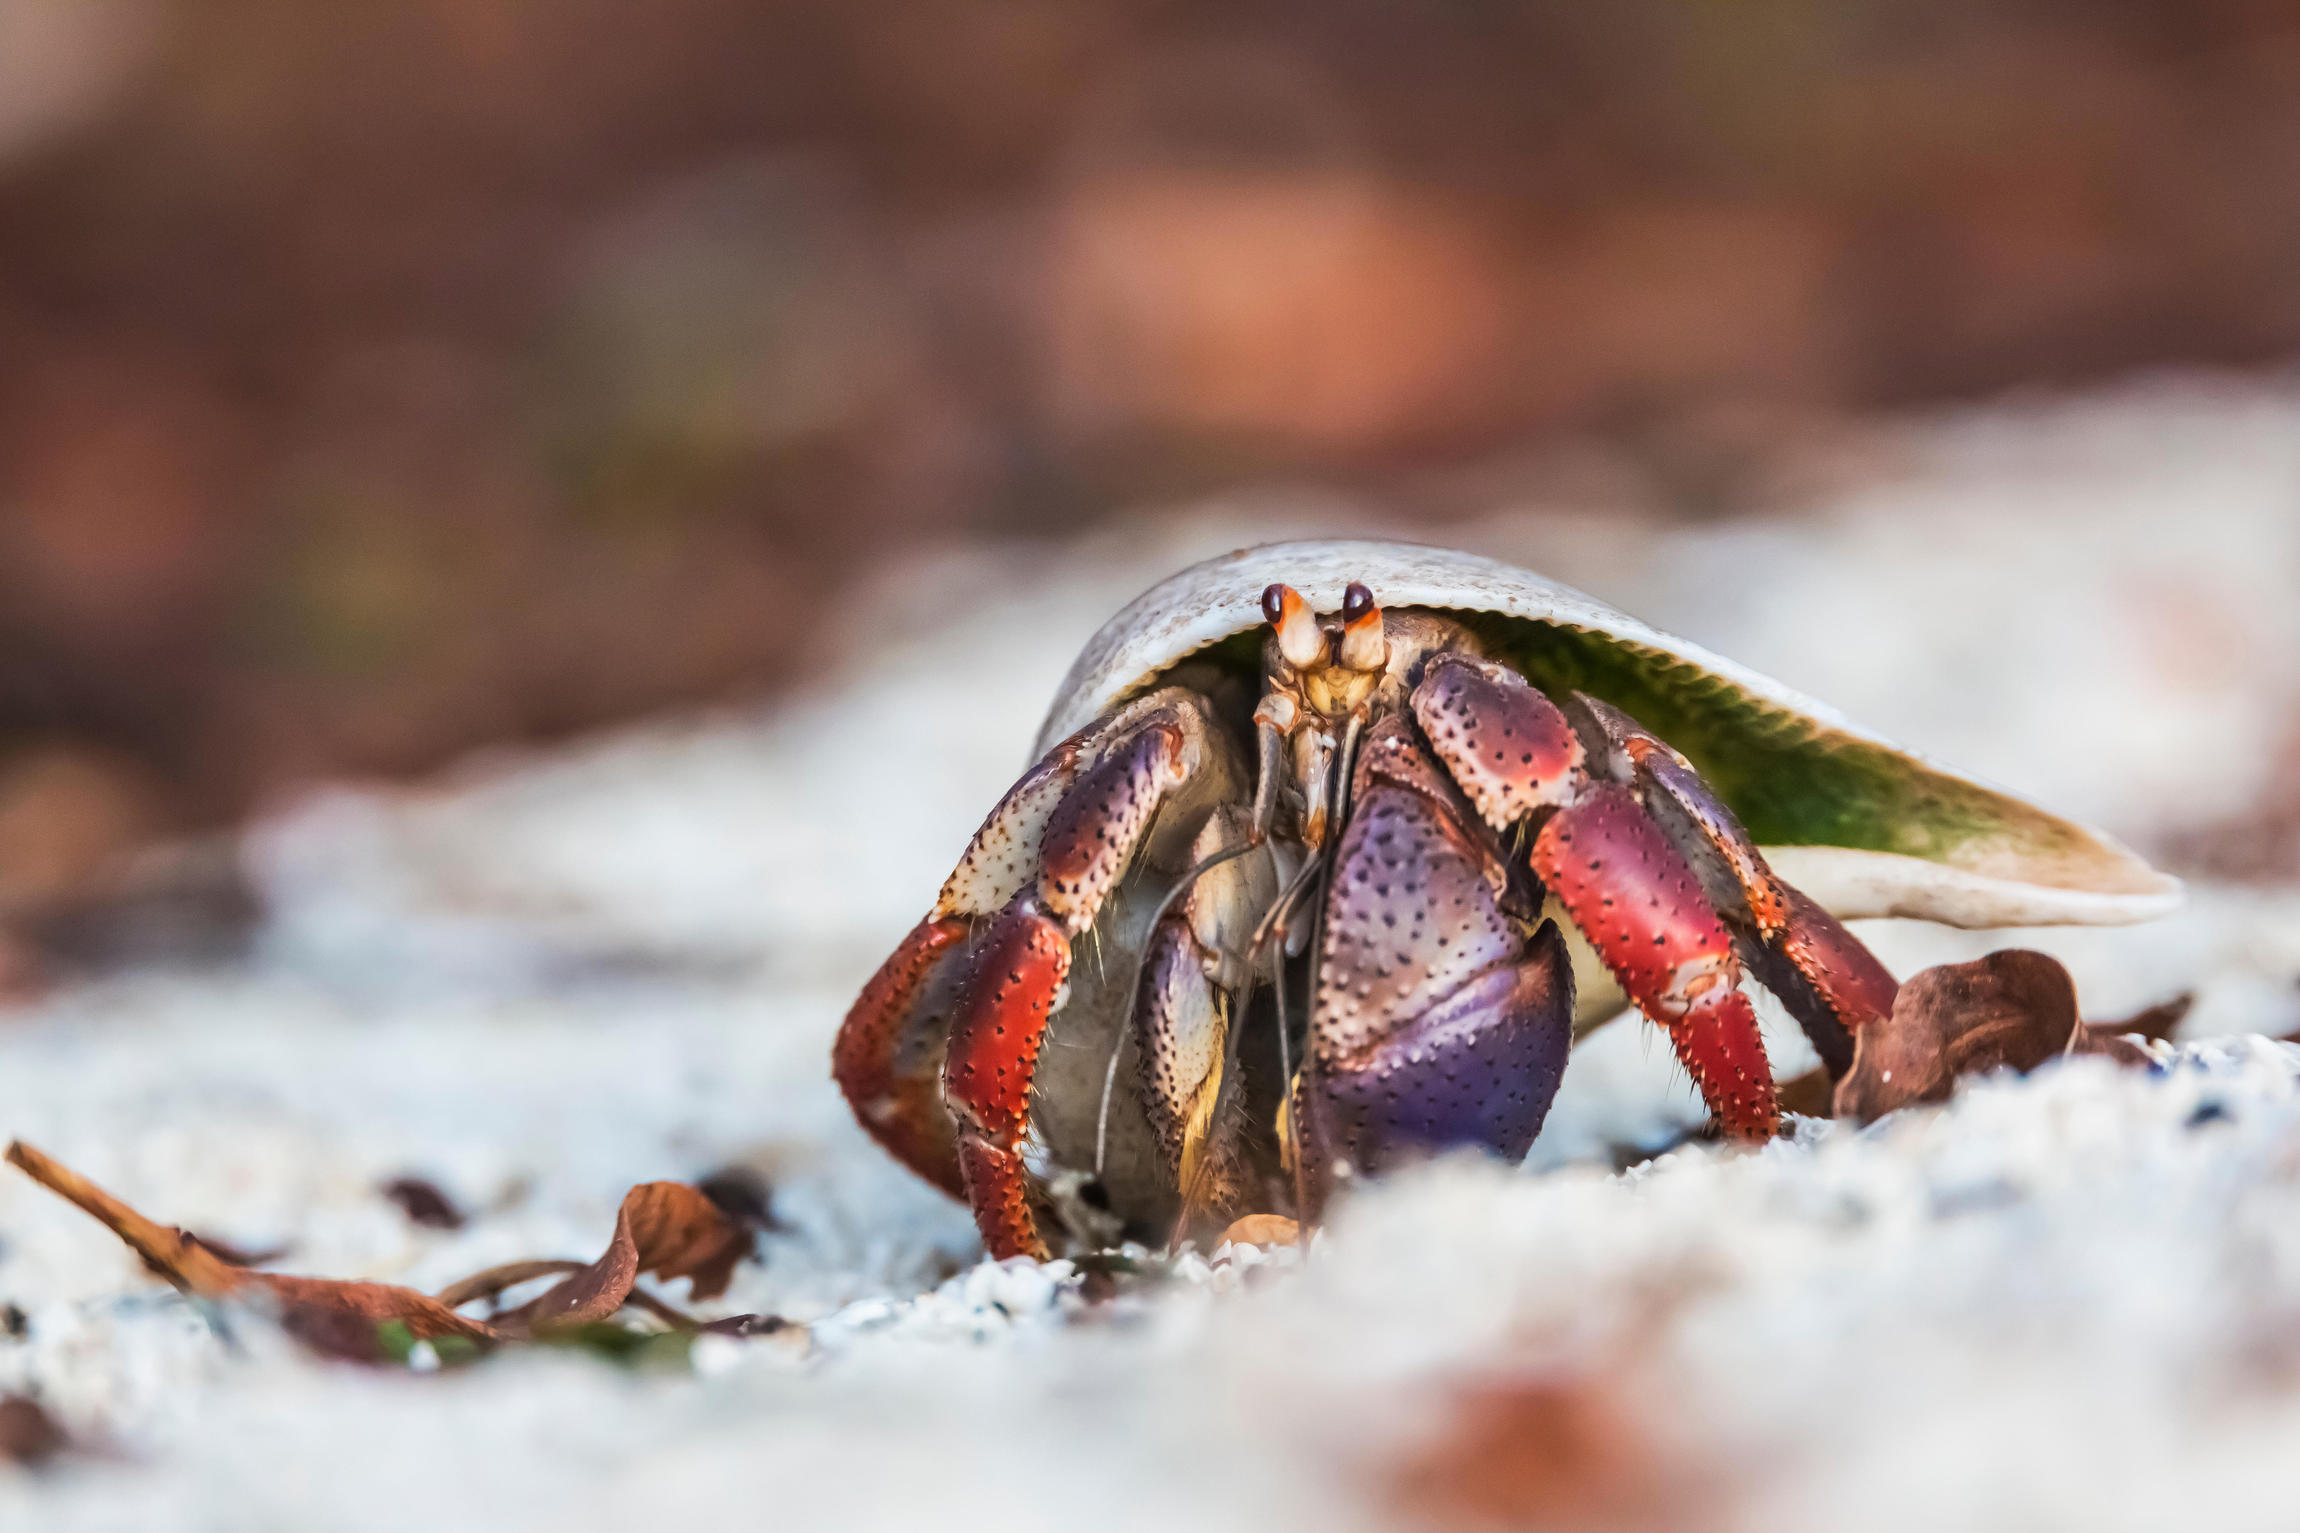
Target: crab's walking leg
point(994, 1044)
point(889, 1056)
point(1016, 978)
point(1830, 982)
point(1195, 980)
point(1641, 907)
point(1434, 1022)
point(1018, 879)
point(1628, 889)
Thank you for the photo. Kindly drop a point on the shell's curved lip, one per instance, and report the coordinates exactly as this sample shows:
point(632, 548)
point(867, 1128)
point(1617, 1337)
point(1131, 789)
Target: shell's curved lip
point(1211, 601)
point(1221, 597)
point(1859, 885)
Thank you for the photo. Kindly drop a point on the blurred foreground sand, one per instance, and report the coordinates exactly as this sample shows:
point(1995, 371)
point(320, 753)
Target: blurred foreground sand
point(549, 978)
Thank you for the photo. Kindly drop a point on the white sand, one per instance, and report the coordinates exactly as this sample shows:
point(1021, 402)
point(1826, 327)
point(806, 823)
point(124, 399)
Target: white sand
point(2056, 1303)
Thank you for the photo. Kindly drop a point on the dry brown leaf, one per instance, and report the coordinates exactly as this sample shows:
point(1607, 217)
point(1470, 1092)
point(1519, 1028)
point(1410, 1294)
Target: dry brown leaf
point(2013, 1009)
point(339, 1319)
point(487, 1284)
point(346, 1319)
point(668, 1229)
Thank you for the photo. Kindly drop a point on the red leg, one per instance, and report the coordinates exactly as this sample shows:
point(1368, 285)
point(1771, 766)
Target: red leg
point(938, 1054)
point(1016, 978)
point(1830, 982)
point(1628, 889)
point(1644, 911)
point(994, 1044)
point(889, 1056)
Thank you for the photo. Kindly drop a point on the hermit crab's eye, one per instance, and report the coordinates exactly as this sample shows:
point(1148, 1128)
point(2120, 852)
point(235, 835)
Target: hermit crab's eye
point(1299, 638)
point(1363, 645)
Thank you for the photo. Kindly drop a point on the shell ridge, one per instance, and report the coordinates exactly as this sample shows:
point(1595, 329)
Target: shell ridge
point(1973, 827)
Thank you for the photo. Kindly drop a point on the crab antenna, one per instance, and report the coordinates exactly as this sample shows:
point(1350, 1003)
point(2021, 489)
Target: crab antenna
point(1302, 1122)
point(1363, 647)
point(1298, 637)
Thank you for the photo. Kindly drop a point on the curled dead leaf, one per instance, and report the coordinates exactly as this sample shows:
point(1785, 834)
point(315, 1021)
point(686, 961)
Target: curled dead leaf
point(665, 1228)
point(495, 1280)
point(668, 1229)
point(2012, 1009)
point(337, 1319)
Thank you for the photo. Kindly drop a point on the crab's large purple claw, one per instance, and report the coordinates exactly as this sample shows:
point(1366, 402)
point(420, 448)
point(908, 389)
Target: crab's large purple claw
point(1435, 1024)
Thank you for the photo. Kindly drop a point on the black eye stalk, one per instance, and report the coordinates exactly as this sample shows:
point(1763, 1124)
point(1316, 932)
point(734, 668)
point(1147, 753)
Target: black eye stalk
point(1274, 602)
point(1357, 601)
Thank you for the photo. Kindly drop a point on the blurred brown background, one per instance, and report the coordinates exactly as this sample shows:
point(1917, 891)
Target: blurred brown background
point(387, 377)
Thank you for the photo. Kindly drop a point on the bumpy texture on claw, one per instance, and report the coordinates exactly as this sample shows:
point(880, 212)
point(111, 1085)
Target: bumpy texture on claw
point(939, 1055)
point(1630, 891)
point(1510, 748)
point(994, 1044)
point(1434, 1024)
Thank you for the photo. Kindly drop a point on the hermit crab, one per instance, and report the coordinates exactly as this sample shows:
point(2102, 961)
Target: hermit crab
point(1332, 847)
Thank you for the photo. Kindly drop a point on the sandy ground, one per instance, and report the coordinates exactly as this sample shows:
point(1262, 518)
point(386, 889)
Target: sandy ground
point(2067, 1301)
